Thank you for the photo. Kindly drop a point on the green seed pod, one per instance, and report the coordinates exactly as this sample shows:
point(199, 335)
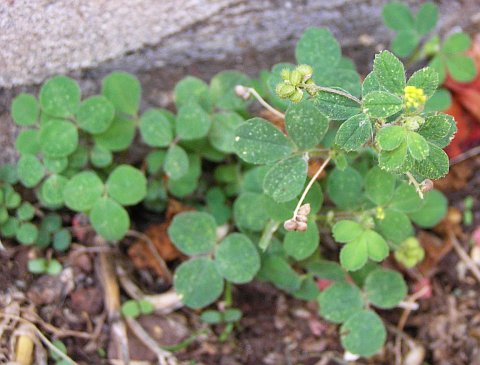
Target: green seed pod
point(285, 74)
point(410, 252)
point(297, 96)
point(413, 123)
point(284, 90)
point(306, 71)
point(295, 78)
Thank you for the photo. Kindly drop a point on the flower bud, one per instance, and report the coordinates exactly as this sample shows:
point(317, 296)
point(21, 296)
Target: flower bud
point(297, 96)
point(284, 90)
point(306, 71)
point(295, 78)
point(285, 74)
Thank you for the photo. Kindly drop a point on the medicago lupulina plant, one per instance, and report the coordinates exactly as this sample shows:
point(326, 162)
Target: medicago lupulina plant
point(257, 215)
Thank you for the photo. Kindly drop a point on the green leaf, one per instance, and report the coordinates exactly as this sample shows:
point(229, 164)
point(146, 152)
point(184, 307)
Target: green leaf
point(109, 219)
point(393, 160)
point(461, 68)
point(222, 132)
point(37, 266)
point(377, 247)
point(193, 233)
point(60, 97)
point(55, 165)
point(433, 210)
point(198, 283)
point(249, 211)
point(305, 124)
point(259, 142)
point(146, 307)
point(155, 160)
point(118, 136)
point(8, 173)
point(425, 79)
point(397, 16)
point(191, 89)
point(435, 166)
point(335, 106)
point(354, 133)
point(379, 186)
point(417, 146)
point(52, 190)
point(10, 227)
point(354, 255)
point(370, 83)
point(381, 104)
point(318, 48)
point(188, 182)
point(363, 333)
point(192, 122)
point(348, 80)
point(308, 290)
point(232, 315)
point(237, 259)
point(95, 114)
point(211, 317)
point(26, 211)
point(390, 137)
point(385, 288)
point(79, 158)
point(457, 43)
point(440, 100)
point(53, 267)
point(324, 269)
point(346, 231)
point(395, 226)
point(127, 185)
point(51, 222)
point(30, 170)
point(426, 18)
point(100, 157)
point(123, 90)
point(62, 240)
point(222, 90)
point(277, 270)
point(436, 127)
point(130, 308)
point(25, 109)
point(58, 138)
point(26, 233)
point(285, 180)
point(405, 199)
point(344, 187)
point(176, 162)
point(438, 64)
point(82, 191)
point(340, 301)
point(405, 42)
point(301, 245)
point(389, 72)
point(27, 142)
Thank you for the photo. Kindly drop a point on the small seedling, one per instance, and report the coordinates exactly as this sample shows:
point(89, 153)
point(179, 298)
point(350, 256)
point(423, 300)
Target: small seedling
point(44, 266)
point(135, 308)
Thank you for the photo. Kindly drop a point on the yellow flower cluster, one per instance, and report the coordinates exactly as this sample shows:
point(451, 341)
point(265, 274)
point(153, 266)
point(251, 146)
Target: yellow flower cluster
point(414, 97)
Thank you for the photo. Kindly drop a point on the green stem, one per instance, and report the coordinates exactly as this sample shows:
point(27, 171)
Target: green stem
point(228, 299)
point(267, 234)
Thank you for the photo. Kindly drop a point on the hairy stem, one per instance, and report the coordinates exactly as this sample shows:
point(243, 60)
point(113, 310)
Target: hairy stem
point(415, 183)
point(309, 186)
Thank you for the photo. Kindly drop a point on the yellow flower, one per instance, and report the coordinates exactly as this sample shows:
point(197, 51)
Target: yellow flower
point(414, 97)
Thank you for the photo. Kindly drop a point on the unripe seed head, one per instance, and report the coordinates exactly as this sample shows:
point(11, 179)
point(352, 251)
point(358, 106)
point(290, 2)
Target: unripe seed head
point(297, 96)
point(284, 90)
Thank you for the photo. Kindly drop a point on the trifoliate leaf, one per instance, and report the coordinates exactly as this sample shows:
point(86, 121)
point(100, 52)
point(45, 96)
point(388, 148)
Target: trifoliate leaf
point(381, 104)
point(389, 72)
point(155, 128)
point(60, 97)
point(82, 191)
point(192, 122)
point(95, 114)
point(123, 90)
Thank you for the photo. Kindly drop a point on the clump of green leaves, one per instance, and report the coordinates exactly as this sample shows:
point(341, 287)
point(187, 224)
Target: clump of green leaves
point(256, 217)
point(416, 41)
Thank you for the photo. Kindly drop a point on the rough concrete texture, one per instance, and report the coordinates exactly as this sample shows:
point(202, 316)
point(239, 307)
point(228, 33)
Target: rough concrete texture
point(163, 40)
